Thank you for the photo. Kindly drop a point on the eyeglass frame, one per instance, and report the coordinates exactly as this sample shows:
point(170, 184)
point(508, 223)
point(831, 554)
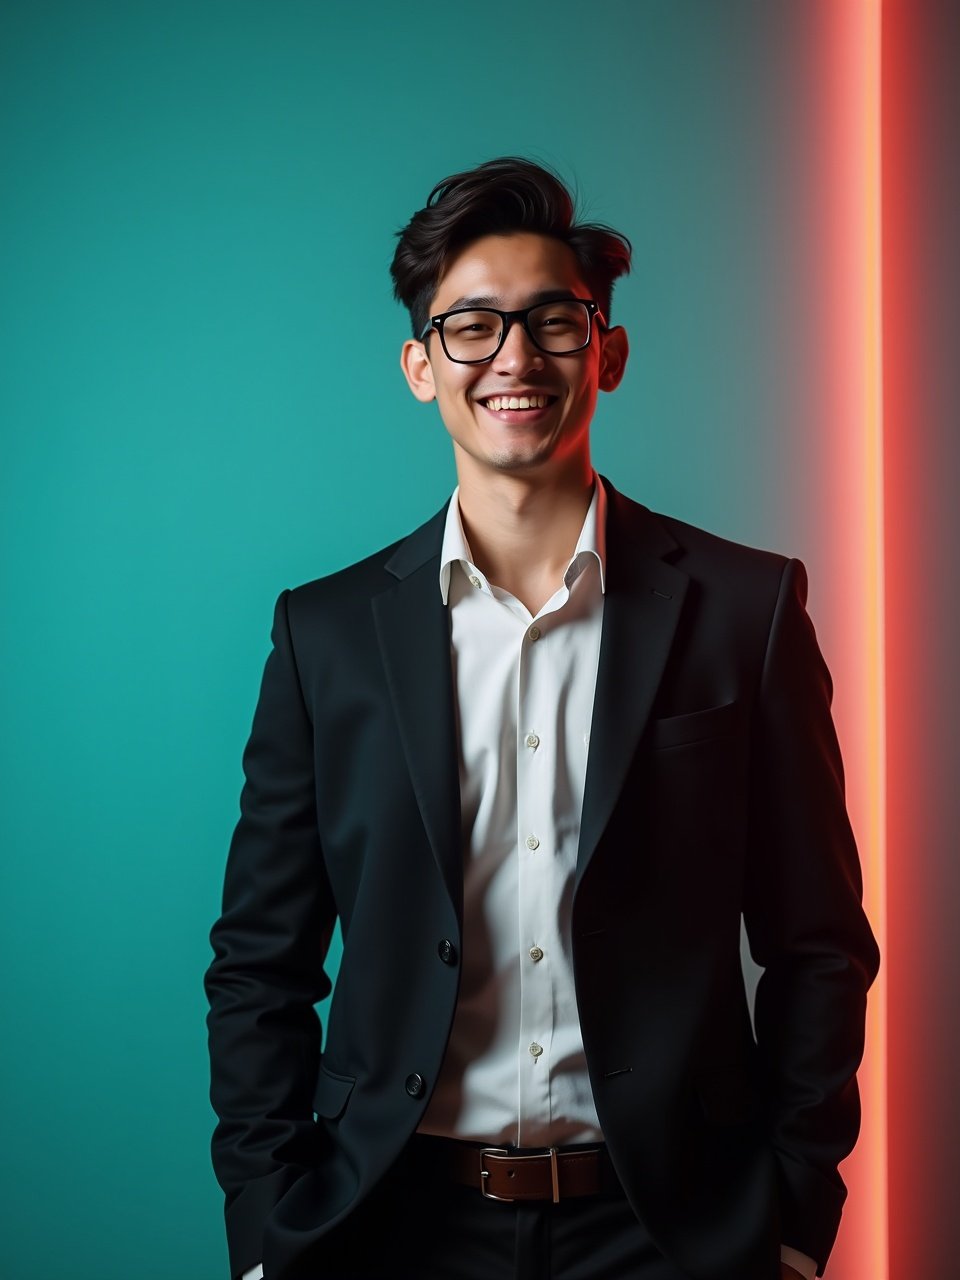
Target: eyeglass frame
point(507, 319)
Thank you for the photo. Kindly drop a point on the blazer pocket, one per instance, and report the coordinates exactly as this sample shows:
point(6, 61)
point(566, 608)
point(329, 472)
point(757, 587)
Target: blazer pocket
point(332, 1094)
point(695, 726)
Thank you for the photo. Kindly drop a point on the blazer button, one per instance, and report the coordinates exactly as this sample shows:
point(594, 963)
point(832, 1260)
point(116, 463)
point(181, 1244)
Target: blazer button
point(414, 1085)
point(447, 951)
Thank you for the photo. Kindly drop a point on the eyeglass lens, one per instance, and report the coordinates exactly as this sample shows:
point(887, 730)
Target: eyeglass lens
point(556, 327)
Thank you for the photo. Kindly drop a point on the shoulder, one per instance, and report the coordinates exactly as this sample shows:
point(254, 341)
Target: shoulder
point(729, 588)
point(700, 553)
point(709, 550)
point(356, 584)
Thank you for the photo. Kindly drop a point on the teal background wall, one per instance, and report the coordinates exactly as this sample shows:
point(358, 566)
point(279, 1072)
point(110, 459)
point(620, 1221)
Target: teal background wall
point(200, 404)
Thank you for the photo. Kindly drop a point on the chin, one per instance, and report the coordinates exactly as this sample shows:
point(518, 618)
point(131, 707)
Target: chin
point(511, 460)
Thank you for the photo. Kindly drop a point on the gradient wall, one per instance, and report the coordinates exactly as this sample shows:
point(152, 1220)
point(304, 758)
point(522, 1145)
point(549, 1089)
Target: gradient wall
point(921, 283)
point(200, 404)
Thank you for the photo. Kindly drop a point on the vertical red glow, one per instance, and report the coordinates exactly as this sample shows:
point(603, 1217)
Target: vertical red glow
point(852, 449)
point(873, 1187)
point(921, 154)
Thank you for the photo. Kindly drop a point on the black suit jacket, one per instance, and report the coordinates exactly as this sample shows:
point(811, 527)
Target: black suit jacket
point(714, 788)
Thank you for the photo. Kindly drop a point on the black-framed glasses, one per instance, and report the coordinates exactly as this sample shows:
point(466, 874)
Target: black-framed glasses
point(473, 335)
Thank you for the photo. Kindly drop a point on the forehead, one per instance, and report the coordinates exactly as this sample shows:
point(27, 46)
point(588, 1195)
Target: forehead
point(508, 271)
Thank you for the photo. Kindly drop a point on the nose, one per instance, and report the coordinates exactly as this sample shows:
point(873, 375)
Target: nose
point(518, 352)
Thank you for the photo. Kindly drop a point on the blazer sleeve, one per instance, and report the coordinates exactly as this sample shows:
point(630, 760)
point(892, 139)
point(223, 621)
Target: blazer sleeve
point(806, 927)
point(267, 973)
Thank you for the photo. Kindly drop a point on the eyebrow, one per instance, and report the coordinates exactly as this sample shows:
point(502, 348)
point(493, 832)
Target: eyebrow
point(492, 300)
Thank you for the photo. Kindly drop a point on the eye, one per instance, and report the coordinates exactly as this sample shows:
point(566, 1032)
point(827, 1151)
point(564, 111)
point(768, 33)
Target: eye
point(467, 325)
point(559, 315)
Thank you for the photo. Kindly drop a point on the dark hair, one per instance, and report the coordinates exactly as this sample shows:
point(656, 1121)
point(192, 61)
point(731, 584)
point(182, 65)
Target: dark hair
point(496, 198)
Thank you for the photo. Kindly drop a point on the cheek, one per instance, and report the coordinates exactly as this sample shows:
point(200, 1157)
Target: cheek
point(584, 392)
point(451, 389)
point(452, 405)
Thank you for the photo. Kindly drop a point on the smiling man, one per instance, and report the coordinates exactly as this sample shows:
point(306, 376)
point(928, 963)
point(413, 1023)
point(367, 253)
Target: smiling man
point(539, 758)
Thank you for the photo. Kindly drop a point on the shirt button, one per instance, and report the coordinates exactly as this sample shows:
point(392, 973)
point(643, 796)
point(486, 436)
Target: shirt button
point(534, 633)
point(535, 954)
point(536, 1050)
point(532, 740)
point(447, 951)
point(533, 842)
point(475, 581)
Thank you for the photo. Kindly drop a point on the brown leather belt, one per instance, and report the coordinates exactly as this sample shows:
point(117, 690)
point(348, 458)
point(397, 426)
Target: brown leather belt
point(500, 1174)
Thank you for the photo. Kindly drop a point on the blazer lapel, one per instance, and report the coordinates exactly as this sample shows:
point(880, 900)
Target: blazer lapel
point(642, 604)
point(414, 636)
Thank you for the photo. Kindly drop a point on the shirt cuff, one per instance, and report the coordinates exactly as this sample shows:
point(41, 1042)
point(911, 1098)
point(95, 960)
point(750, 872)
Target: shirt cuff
point(793, 1257)
point(256, 1273)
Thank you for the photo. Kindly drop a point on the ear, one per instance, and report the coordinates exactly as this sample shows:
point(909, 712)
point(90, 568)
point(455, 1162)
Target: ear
point(614, 349)
point(415, 364)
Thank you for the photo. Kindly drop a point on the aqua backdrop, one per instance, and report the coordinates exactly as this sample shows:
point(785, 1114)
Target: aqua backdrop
point(200, 404)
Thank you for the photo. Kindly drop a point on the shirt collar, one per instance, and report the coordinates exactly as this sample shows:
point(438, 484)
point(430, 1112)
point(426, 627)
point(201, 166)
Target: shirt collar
point(592, 541)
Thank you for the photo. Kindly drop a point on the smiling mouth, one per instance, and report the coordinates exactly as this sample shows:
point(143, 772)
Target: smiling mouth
point(497, 403)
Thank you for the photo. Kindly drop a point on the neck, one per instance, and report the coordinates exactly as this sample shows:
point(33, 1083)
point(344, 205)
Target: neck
point(523, 531)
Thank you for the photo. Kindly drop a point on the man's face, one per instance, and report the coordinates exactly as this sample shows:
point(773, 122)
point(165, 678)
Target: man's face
point(508, 272)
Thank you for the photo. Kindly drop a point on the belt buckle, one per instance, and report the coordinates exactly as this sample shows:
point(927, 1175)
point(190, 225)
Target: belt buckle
point(503, 1151)
point(485, 1173)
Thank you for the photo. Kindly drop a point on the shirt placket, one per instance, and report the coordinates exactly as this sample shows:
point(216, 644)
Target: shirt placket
point(536, 755)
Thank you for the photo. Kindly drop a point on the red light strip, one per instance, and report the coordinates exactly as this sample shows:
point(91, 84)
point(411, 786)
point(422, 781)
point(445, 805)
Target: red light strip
point(873, 1189)
point(857, 461)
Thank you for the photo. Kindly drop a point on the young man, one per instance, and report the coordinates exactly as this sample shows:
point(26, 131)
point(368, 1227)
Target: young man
point(538, 758)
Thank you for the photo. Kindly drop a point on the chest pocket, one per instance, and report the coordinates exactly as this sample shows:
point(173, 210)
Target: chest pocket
point(695, 726)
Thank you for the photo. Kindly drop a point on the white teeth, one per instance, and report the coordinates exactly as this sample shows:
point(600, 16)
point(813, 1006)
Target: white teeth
point(515, 402)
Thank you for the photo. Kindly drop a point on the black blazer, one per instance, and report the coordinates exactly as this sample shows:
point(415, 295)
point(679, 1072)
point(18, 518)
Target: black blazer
point(714, 788)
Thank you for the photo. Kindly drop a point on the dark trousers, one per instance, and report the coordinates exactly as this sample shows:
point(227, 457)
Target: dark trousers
point(419, 1226)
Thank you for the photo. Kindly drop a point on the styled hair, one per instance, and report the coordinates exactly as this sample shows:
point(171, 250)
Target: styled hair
point(496, 198)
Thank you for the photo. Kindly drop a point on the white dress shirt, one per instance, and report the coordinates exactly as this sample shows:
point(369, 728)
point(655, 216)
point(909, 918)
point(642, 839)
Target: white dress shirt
point(515, 1070)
